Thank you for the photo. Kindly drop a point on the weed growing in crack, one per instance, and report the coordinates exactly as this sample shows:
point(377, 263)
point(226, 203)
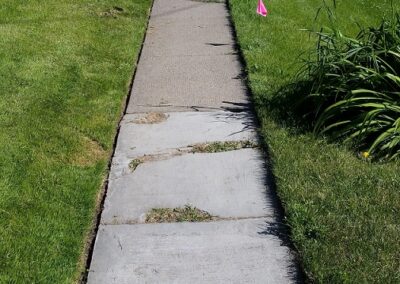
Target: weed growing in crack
point(216, 147)
point(134, 164)
point(212, 147)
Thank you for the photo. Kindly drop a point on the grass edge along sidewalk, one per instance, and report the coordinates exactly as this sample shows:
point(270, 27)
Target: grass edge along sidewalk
point(343, 212)
point(65, 69)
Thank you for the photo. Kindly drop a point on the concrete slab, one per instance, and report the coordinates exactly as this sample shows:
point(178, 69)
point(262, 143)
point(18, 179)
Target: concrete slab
point(181, 130)
point(189, 38)
point(216, 252)
point(227, 184)
point(203, 81)
point(188, 10)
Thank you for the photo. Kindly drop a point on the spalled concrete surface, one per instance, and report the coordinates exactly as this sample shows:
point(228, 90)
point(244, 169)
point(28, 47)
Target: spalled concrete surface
point(188, 90)
point(228, 184)
point(217, 252)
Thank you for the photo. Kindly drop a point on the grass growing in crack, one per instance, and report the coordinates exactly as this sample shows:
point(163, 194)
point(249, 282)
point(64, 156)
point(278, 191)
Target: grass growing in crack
point(215, 147)
point(65, 70)
point(179, 214)
point(343, 211)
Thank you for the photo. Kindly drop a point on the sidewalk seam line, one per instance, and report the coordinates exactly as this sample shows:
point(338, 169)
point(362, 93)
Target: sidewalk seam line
point(212, 221)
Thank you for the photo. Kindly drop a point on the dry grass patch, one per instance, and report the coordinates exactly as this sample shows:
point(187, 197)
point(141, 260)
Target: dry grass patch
point(179, 214)
point(91, 153)
point(151, 118)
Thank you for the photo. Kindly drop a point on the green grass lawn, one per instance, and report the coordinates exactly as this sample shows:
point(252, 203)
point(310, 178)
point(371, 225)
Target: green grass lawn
point(65, 68)
point(344, 213)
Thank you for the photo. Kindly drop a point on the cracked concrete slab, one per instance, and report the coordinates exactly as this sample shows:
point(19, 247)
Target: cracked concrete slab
point(181, 130)
point(227, 184)
point(241, 251)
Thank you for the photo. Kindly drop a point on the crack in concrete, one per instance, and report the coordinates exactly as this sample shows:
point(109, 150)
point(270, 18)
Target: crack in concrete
point(193, 107)
point(211, 147)
point(214, 219)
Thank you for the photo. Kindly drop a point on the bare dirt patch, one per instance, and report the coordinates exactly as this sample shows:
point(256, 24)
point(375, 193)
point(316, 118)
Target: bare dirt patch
point(151, 118)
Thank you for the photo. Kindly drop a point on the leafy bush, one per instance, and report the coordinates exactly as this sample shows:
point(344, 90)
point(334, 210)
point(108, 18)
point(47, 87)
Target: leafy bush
point(354, 88)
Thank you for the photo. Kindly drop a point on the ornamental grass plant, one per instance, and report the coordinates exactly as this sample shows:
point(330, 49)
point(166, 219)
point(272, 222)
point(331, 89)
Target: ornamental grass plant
point(350, 90)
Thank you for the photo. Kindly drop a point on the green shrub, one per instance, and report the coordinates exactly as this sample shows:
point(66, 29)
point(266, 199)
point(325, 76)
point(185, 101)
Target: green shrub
point(353, 88)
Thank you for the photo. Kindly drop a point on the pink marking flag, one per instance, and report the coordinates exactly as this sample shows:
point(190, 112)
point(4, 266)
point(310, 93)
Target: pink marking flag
point(261, 10)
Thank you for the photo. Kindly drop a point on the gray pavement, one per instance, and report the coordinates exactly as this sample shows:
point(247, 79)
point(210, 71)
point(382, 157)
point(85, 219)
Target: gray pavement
point(187, 81)
point(228, 185)
point(216, 252)
point(188, 60)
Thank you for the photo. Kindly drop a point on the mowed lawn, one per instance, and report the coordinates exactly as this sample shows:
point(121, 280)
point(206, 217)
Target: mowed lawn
point(65, 69)
point(344, 212)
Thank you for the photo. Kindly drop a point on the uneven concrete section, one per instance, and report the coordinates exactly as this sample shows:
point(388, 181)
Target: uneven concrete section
point(188, 92)
point(213, 252)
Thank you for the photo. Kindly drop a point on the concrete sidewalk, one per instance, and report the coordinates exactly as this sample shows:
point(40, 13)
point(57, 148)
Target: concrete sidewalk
point(188, 91)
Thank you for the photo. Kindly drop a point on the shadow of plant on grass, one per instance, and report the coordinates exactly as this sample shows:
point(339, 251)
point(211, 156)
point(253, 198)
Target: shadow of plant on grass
point(349, 91)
